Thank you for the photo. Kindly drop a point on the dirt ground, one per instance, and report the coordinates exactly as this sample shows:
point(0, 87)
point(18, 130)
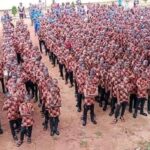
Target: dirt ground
point(130, 135)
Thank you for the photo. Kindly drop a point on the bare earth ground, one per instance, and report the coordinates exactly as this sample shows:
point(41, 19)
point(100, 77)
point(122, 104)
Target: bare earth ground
point(130, 135)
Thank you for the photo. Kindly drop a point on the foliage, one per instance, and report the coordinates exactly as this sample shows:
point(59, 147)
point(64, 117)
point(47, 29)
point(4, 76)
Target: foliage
point(14, 10)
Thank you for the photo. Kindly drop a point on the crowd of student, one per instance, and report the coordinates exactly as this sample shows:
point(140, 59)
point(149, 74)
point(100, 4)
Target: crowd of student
point(24, 78)
point(104, 51)
point(107, 48)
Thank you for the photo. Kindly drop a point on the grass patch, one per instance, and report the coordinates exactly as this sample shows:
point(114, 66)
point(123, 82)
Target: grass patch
point(98, 134)
point(84, 144)
point(55, 138)
point(145, 145)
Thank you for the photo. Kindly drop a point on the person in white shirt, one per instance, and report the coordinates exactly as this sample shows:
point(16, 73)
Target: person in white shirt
point(21, 11)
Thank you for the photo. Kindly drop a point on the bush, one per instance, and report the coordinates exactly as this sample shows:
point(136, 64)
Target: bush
point(14, 10)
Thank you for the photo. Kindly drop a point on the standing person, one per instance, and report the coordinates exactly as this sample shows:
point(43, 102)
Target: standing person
point(2, 77)
point(142, 94)
point(54, 111)
point(54, 120)
point(6, 17)
point(1, 130)
point(90, 92)
point(12, 114)
point(26, 110)
point(122, 99)
point(80, 77)
point(21, 10)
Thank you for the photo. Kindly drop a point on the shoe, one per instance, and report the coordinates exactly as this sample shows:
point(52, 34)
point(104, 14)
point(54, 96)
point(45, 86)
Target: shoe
point(29, 140)
point(35, 101)
point(111, 113)
point(19, 143)
point(115, 121)
point(1, 131)
point(144, 114)
point(15, 138)
point(134, 115)
point(94, 121)
point(79, 110)
point(45, 128)
point(57, 132)
point(18, 130)
point(105, 108)
point(100, 105)
point(84, 123)
point(122, 119)
point(130, 110)
point(52, 133)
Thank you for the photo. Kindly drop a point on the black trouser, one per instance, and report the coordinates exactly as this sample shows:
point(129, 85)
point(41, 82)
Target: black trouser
point(86, 109)
point(66, 75)
point(79, 100)
point(46, 50)
point(148, 104)
point(43, 108)
point(71, 77)
point(46, 115)
point(21, 16)
point(18, 123)
point(132, 102)
point(54, 124)
point(54, 58)
point(61, 68)
point(30, 86)
point(1, 130)
point(138, 102)
point(102, 96)
point(50, 55)
point(27, 131)
point(113, 102)
point(122, 106)
point(41, 42)
point(36, 92)
point(106, 99)
point(2, 83)
point(19, 59)
point(0, 125)
point(76, 87)
point(12, 124)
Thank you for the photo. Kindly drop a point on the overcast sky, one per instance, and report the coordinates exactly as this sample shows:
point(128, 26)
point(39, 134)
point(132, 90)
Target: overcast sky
point(7, 4)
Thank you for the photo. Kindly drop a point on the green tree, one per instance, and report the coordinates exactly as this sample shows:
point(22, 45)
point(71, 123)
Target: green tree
point(145, 1)
point(14, 10)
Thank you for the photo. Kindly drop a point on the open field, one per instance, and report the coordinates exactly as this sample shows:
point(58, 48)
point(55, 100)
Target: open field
point(129, 135)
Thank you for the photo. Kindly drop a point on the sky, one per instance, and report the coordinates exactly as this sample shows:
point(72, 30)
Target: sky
point(7, 4)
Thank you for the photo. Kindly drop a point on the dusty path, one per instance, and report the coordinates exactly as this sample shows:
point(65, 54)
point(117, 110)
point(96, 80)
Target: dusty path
point(103, 136)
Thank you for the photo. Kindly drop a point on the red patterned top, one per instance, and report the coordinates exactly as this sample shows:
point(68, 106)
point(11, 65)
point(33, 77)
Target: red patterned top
point(1, 69)
point(26, 110)
point(142, 87)
point(12, 109)
point(54, 111)
point(122, 92)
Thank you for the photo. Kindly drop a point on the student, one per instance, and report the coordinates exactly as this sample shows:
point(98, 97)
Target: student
point(26, 110)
